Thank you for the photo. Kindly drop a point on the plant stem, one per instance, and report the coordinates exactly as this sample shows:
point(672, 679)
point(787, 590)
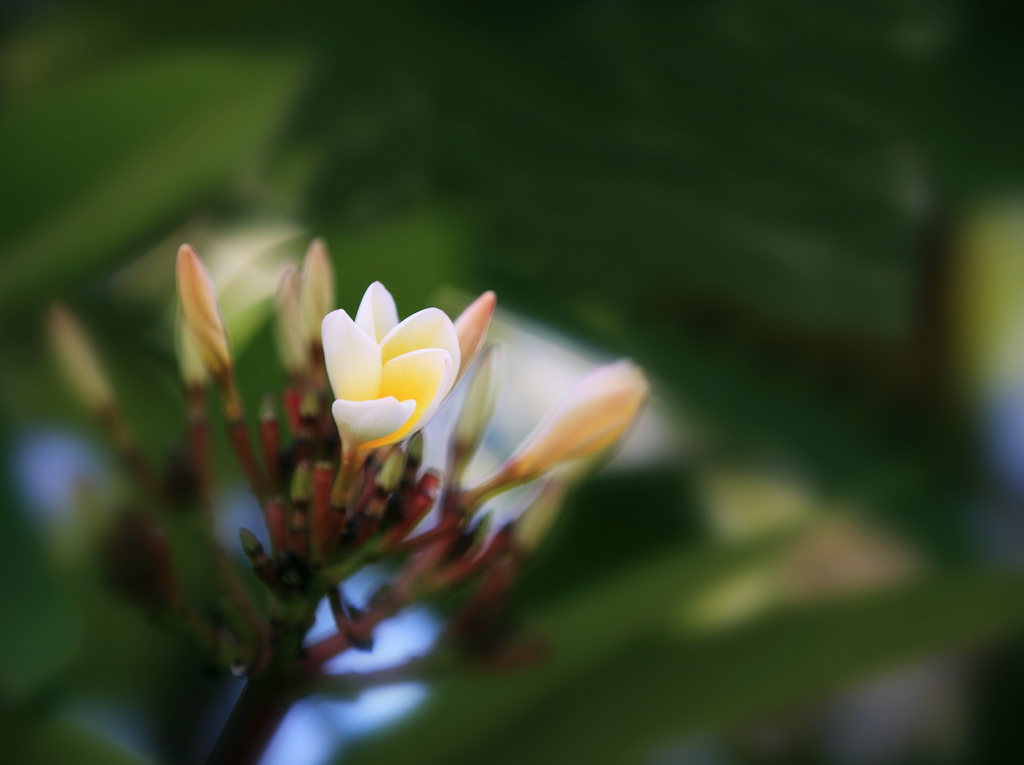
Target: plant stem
point(250, 727)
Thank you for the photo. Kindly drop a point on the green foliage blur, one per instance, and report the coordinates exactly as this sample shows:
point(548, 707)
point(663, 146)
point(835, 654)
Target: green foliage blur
point(757, 202)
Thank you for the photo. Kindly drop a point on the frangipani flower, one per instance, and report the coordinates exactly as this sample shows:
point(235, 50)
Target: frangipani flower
point(388, 377)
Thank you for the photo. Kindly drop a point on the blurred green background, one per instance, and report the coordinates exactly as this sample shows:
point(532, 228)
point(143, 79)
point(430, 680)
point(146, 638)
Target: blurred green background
point(799, 217)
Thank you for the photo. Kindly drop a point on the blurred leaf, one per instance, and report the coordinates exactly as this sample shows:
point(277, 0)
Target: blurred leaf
point(59, 742)
point(583, 632)
point(102, 160)
point(646, 687)
point(659, 688)
point(39, 630)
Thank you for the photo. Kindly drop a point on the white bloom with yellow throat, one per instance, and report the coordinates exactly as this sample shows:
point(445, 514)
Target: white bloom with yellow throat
point(388, 377)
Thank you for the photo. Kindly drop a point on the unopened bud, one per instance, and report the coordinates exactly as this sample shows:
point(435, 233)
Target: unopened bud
point(309, 405)
point(190, 363)
point(477, 410)
point(390, 473)
point(302, 483)
point(472, 325)
point(292, 346)
point(202, 313)
point(250, 544)
point(78, 360)
point(316, 290)
point(591, 416)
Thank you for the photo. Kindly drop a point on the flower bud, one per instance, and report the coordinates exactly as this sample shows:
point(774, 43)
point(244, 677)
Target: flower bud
point(316, 291)
point(302, 484)
point(250, 544)
point(292, 346)
point(202, 313)
point(190, 364)
point(78, 360)
point(590, 417)
point(472, 325)
point(477, 410)
point(391, 471)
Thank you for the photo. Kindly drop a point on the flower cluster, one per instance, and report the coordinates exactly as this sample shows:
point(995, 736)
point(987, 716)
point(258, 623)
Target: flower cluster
point(340, 479)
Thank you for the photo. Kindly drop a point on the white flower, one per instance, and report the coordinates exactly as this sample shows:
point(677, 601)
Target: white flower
point(388, 377)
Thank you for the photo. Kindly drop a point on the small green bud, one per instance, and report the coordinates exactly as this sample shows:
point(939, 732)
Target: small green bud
point(250, 544)
point(301, 488)
point(414, 450)
point(391, 471)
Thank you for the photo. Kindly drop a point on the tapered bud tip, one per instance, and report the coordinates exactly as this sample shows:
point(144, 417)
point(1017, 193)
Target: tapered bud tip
point(78, 360)
point(291, 341)
point(391, 471)
point(250, 544)
point(472, 326)
point(201, 312)
point(316, 290)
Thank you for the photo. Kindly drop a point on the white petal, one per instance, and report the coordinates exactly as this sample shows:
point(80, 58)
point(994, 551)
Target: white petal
point(352, 358)
point(377, 314)
point(360, 422)
point(429, 328)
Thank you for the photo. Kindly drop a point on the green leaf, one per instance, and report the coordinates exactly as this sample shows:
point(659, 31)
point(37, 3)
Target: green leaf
point(55, 742)
point(620, 681)
point(105, 159)
point(659, 688)
point(583, 632)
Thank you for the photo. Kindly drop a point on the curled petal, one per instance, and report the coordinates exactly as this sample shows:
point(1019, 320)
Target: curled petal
point(352, 358)
point(424, 376)
point(363, 422)
point(377, 314)
point(429, 328)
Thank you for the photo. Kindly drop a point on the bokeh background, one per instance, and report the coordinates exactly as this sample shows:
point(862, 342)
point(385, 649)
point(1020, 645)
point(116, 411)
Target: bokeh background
point(802, 218)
